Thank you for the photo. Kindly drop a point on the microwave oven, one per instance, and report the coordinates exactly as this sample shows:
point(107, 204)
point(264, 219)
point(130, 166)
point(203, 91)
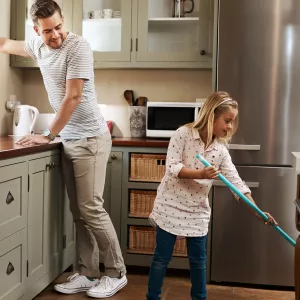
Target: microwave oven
point(164, 118)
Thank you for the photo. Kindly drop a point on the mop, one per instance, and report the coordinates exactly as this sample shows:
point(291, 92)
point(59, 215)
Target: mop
point(248, 202)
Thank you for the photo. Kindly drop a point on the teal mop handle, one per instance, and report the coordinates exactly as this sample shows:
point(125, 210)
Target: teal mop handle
point(248, 202)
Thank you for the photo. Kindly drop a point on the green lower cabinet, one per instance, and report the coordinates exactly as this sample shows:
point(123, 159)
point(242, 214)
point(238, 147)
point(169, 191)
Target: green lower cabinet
point(45, 222)
point(112, 194)
point(40, 241)
point(13, 254)
point(142, 170)
point(137, 248)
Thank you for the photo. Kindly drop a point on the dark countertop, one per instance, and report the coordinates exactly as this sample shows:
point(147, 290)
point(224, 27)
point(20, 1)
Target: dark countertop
point(140, 142)
point(9, 148)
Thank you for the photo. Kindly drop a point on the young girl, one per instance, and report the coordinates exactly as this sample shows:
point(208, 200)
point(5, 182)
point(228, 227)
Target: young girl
point(181, 206)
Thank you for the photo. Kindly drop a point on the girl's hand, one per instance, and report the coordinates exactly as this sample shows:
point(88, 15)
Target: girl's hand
point(209, 173)
point(271, 221)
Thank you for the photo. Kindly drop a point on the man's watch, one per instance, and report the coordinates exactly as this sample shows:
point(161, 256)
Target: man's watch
point(48, 134)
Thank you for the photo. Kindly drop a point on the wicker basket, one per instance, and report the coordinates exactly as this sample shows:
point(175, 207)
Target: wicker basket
point(141, 203)
point(142, 240)
point(147, 167)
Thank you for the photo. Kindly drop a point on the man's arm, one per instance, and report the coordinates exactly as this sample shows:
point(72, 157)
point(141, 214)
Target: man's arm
point(71, 100)
point(68, 105)
point(13, 47)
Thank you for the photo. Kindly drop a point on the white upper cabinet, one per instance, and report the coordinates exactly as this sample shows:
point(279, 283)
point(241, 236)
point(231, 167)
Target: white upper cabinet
point(132, 33)
point(22, 26)
point(174, 31)
point(106, 25)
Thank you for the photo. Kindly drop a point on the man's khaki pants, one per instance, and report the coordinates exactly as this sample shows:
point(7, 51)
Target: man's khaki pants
point(84, 166)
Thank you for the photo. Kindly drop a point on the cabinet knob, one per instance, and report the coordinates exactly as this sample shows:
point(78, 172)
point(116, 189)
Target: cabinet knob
point(9, 198)
point(113, 156)
point(10, 268)
point(50, 166)
point(202, 52)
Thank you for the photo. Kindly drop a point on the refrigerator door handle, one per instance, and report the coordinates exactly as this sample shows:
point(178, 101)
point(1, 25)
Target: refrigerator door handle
point(249, 184)
point(244, 147)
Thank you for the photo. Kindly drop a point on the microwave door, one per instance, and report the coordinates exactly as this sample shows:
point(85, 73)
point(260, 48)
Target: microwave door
point(164, 121)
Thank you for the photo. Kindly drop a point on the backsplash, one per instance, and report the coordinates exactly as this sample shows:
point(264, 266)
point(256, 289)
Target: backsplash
point(156, 85)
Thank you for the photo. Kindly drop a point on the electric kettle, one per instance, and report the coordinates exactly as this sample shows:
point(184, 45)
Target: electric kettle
point(25, 117)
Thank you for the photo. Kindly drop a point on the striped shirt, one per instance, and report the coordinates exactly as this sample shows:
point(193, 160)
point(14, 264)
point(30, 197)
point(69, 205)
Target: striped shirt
point(181, 206)
point(73, 60)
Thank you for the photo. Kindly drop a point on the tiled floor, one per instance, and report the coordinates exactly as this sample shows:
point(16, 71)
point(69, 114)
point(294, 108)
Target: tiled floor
point(175, 288)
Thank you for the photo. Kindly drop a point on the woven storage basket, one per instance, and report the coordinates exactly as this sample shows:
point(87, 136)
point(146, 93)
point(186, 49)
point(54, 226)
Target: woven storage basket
point(142, 240)
point(147, 167)
point(141, 203)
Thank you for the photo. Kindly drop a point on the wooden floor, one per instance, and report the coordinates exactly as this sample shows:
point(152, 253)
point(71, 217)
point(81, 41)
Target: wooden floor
point(175, 288)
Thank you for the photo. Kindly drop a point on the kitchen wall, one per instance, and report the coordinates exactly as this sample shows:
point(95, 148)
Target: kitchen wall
point(10, 79)
point(156, 85)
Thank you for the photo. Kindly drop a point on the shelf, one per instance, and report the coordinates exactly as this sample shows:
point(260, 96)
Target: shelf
point(138, 217)
point(143, 185)
point(138, 222)
point(151, 253)
point(146, 259)
point(101, 20)
point(173, 20)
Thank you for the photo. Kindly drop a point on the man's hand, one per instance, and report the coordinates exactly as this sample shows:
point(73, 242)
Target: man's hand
point(31, 140)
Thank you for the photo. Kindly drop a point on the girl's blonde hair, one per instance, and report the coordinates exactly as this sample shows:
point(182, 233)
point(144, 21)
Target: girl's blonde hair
point(214, 106)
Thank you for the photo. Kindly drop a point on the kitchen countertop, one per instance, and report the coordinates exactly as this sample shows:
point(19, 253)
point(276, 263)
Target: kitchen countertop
point(140, 142)
point(9, 148)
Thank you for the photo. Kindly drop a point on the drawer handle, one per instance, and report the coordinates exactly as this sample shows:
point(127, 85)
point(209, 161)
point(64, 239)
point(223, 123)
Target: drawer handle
point(10, 268)
point(9, 198)
point(50, 166)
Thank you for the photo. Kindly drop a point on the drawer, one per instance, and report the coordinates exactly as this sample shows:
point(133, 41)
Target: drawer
point(141, 203)
point(147, 167)
point(13, 198)
point(13, 266)
point(142, 240)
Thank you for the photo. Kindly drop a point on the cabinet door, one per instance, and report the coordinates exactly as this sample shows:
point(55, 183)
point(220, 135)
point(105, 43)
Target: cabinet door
point(69, 234)
point(53, 218)
point(13, 266)
point(36, 228)
point(22, 26)
point(45, 236)
point(106, 25)
point(163, 37)
point(14, 197)
point(112, 191)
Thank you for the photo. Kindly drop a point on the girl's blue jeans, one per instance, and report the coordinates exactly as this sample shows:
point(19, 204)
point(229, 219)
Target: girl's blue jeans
point(196, 247)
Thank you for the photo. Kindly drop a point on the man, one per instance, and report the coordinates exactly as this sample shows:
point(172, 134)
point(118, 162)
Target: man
point(66, 63)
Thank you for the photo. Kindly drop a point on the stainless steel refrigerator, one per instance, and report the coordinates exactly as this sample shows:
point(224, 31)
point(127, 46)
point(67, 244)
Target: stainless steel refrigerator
point(258, 63)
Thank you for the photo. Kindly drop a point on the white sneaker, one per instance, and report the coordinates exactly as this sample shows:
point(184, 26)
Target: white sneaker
point(107, 287)
point(75, 284)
